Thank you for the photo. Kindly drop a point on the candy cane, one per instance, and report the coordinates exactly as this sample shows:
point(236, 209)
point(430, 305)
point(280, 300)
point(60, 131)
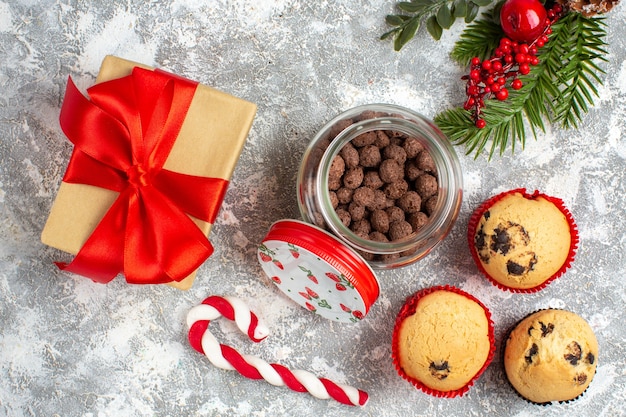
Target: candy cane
point(225, 357)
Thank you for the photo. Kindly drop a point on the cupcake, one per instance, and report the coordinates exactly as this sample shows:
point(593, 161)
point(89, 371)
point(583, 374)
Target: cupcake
point(520, 241)
point(551, 355)
point(443, 341)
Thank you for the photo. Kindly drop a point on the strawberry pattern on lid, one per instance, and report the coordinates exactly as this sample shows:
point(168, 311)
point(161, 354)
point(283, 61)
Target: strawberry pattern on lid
point(317, 271)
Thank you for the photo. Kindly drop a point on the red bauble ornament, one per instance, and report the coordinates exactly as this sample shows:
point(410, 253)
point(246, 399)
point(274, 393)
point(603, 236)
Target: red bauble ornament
point(523, 20)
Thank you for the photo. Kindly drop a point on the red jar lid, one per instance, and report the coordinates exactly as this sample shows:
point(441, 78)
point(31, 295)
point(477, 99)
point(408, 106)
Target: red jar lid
point(318, 271)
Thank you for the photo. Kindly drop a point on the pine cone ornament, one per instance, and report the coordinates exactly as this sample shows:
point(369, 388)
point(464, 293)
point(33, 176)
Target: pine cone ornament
point(589, 8)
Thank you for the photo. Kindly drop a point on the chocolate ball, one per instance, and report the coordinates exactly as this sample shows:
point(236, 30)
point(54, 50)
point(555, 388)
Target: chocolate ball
point(344, 195)
point(380, 200)
point(399, 229)
point(425, 162)
point(344, 216)
point(382, 139)
point(411, 171)
point(395, 213)
point(379, 220)
point(410, 202)
point(363, 196)
point(430, 204)
point(412, 146)
point(367, 138)
point(396, 189)
point(378, 237)
point(361, 228)
point(356, 211)
point(353, 178)
point(395, 152)
point(350, 155)
point(372, 180)
point(390, 170)
point(417, 220)
point(369, 156)
point(426, 185)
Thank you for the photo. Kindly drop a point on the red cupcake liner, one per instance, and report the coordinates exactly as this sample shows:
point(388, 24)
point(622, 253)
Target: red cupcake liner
point(409, 309)
point(487, 204)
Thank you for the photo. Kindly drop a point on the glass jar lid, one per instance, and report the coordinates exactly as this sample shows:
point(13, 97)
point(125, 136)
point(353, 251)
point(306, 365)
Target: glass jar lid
point(318, 271)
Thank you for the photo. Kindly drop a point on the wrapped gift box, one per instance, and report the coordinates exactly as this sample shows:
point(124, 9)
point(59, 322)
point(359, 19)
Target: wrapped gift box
point(207, 145)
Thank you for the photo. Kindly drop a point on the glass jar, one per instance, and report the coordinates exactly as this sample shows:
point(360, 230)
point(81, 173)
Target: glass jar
point(317, 207)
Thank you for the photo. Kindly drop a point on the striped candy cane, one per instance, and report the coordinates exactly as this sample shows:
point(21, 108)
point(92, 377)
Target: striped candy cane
point(225, 357)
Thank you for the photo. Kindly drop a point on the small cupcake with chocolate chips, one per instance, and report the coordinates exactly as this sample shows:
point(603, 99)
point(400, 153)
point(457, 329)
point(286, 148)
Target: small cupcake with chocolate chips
point(551, 355)
point(521, 241)
point(443, 340)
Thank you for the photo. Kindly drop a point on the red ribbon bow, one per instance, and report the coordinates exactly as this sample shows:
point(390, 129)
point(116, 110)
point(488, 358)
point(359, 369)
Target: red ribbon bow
point(122, 136)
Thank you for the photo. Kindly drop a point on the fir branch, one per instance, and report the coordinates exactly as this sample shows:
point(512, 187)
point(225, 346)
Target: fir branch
point(579, 73)
point(560, 89)
point(480, 38)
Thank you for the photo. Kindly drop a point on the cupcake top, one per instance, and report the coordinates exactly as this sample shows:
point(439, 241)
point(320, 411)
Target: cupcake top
point(443, 341)
point(551, 355)
point(522, 241)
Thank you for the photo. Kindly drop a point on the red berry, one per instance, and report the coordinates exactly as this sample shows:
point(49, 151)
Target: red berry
point(516, 84)
point(486, 65)
point(475, 60)
point(497, 66)
point(523, 20)
point(502, 94)
point(524, 68)
point(523, 49)
point(475, 74)
point(480, 123)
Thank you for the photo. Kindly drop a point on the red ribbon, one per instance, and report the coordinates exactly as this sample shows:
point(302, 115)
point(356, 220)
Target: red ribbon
point(122, 136)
